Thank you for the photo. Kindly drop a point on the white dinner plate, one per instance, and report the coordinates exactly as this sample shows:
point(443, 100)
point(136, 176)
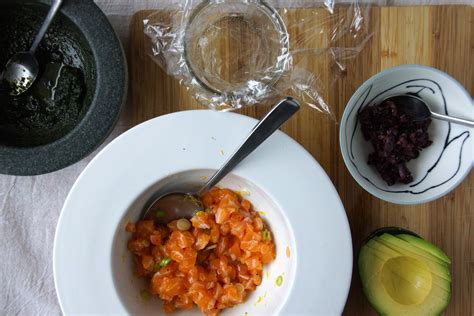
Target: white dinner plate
point(93, 270)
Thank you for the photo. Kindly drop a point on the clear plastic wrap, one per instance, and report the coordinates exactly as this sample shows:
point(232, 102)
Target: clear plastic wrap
point(236, 53)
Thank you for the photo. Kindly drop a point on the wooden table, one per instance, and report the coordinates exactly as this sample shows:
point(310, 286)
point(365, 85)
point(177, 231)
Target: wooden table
point(441, 37)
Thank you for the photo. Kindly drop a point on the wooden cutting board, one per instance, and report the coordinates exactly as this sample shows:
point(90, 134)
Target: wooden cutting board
point(437, 36)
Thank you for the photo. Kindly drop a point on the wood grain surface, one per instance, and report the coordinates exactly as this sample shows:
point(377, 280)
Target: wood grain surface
point(437, 36)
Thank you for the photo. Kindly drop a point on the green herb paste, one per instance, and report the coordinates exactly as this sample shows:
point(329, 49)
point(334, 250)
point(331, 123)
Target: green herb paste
point(61, 94)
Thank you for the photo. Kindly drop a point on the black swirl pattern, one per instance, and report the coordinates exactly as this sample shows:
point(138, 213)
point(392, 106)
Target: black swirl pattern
point(363, 101)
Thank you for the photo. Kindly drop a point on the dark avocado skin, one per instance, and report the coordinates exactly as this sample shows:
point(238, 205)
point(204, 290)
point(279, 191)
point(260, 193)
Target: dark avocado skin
point(60, 96)
point(392, 230)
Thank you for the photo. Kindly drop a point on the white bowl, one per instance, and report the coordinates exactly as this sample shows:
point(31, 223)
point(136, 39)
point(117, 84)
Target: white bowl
point(441, 166)
point(93, 269)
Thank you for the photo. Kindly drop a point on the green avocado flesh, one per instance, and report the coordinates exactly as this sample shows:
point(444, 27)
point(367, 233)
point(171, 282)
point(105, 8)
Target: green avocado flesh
point(423, 245)
point(404, 276)
point(63, 90)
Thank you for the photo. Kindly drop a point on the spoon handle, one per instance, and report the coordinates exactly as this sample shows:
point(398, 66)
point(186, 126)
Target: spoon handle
point(49, 18)
point(278, 115)
point(452, 119)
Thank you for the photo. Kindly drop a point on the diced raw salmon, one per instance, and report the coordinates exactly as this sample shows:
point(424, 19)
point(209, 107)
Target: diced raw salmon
point(215, 264)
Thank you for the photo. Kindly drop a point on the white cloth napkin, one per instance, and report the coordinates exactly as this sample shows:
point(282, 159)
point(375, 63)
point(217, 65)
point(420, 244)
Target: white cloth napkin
point(30, 206)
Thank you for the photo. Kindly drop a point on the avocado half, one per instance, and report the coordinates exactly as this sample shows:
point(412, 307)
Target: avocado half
point(402, 274)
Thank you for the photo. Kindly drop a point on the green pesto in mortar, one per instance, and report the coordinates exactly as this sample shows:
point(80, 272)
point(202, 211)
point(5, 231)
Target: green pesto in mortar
point(61, 94)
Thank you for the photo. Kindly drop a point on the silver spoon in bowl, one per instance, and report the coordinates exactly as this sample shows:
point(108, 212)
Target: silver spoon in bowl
point(183, 205)
point(417, 108)
point(22, 69)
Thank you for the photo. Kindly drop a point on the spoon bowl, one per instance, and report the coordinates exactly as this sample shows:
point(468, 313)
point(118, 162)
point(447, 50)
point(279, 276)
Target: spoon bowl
point(173, 206)
point(418, 110)
point(179, 205)
point(20, 72)
point(412, 105)
point(22, 69)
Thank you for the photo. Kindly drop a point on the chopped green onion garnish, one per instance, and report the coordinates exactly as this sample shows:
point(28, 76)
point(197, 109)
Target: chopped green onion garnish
point(183, 224)
point(145, 295)
point(160, 213)
point(165, 261)
point(266, 234)
point(243, 192)
point(192, 199)
point(279, 280)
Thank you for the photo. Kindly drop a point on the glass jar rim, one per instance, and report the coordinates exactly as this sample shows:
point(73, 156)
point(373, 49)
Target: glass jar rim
point(278, 25)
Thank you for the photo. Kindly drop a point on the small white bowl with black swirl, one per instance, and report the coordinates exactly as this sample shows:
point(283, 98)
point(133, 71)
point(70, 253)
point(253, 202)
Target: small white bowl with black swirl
point(438, 168)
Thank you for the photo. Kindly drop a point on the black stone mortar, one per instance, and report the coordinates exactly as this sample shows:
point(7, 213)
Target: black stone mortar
point(82, 34)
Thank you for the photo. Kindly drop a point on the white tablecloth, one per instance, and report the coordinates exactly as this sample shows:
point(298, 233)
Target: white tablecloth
point(30, 206)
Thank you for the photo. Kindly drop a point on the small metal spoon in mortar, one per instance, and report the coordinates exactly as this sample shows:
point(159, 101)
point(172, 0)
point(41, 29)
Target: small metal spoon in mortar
point(183, 205)
point(417, 108)
point(22, 69)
